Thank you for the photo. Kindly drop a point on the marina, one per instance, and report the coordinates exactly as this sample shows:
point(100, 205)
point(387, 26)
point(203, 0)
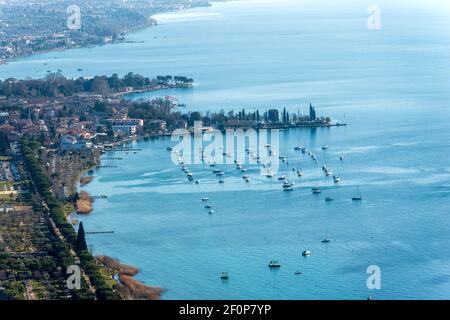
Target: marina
point(386, 171)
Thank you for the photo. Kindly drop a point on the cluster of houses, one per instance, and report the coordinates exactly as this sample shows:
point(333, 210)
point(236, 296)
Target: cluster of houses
point(69, 122)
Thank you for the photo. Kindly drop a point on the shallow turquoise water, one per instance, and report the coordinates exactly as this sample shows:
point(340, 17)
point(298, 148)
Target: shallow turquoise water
point(392, 88)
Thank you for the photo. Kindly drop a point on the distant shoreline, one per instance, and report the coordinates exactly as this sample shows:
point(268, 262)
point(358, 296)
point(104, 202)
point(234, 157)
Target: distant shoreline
point(132, 30)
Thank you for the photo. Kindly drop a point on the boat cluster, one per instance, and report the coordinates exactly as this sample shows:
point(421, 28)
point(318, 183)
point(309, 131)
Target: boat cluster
point(287, 183)
point(208, 206)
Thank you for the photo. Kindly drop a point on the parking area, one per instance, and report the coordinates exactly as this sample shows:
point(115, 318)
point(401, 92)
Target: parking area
point(9, 172)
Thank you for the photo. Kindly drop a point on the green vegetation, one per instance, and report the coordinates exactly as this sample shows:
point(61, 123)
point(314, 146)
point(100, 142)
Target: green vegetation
point(4, 143)
point(81, 241)
point(55, 84)
point(62, 250)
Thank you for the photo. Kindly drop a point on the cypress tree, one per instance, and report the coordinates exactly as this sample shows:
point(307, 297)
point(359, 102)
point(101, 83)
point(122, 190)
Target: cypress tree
point(81, 241)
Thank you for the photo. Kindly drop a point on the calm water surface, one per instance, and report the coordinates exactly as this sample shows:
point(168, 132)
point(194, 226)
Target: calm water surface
point(391, 86)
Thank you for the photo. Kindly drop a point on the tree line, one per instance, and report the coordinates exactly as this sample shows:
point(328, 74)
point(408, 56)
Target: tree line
point(74, 241)
point(56, 85)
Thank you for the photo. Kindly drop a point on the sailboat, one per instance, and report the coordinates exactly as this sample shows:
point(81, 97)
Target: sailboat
point(298, 148)
point(357, 197)
point(326, 240)
point(300, 171)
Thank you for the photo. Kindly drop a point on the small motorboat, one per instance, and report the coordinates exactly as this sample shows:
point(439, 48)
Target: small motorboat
point(324, 147)
point(247, 180)
point(326, 240)
point(328, 199)
point(288, 186)
point(205, 199)
point(306, 253)
point(281, 178)
point(337, 179)
point(197, 181)
point(211, 211)
point(316, 191)
point(169, 148)
point(224, 276)
point(245, 177)
point(221, 181)
point(297, 273)
point(274, 264)
point(208, 206)
point(299, 173)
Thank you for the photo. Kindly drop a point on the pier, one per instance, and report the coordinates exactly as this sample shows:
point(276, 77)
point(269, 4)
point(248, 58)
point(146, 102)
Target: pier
point(100, 232)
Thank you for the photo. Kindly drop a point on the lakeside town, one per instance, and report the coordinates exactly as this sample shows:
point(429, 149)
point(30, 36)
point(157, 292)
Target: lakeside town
point(29, 27)
point(55, 129)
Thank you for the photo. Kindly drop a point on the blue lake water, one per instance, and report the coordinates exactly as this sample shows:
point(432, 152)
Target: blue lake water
point(391, 86)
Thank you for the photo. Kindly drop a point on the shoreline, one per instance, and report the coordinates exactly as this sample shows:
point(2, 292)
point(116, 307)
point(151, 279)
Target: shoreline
point(128, 287)
point(132, 30)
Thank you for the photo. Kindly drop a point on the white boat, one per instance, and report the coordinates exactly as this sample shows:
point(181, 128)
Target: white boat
point(247, 180)
point(306, 253)
point(205, 199)
point(341, 157)
point(288, 186)
point(299, 173)
point(274, 264)
point(337, 179)
point(211, 211)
